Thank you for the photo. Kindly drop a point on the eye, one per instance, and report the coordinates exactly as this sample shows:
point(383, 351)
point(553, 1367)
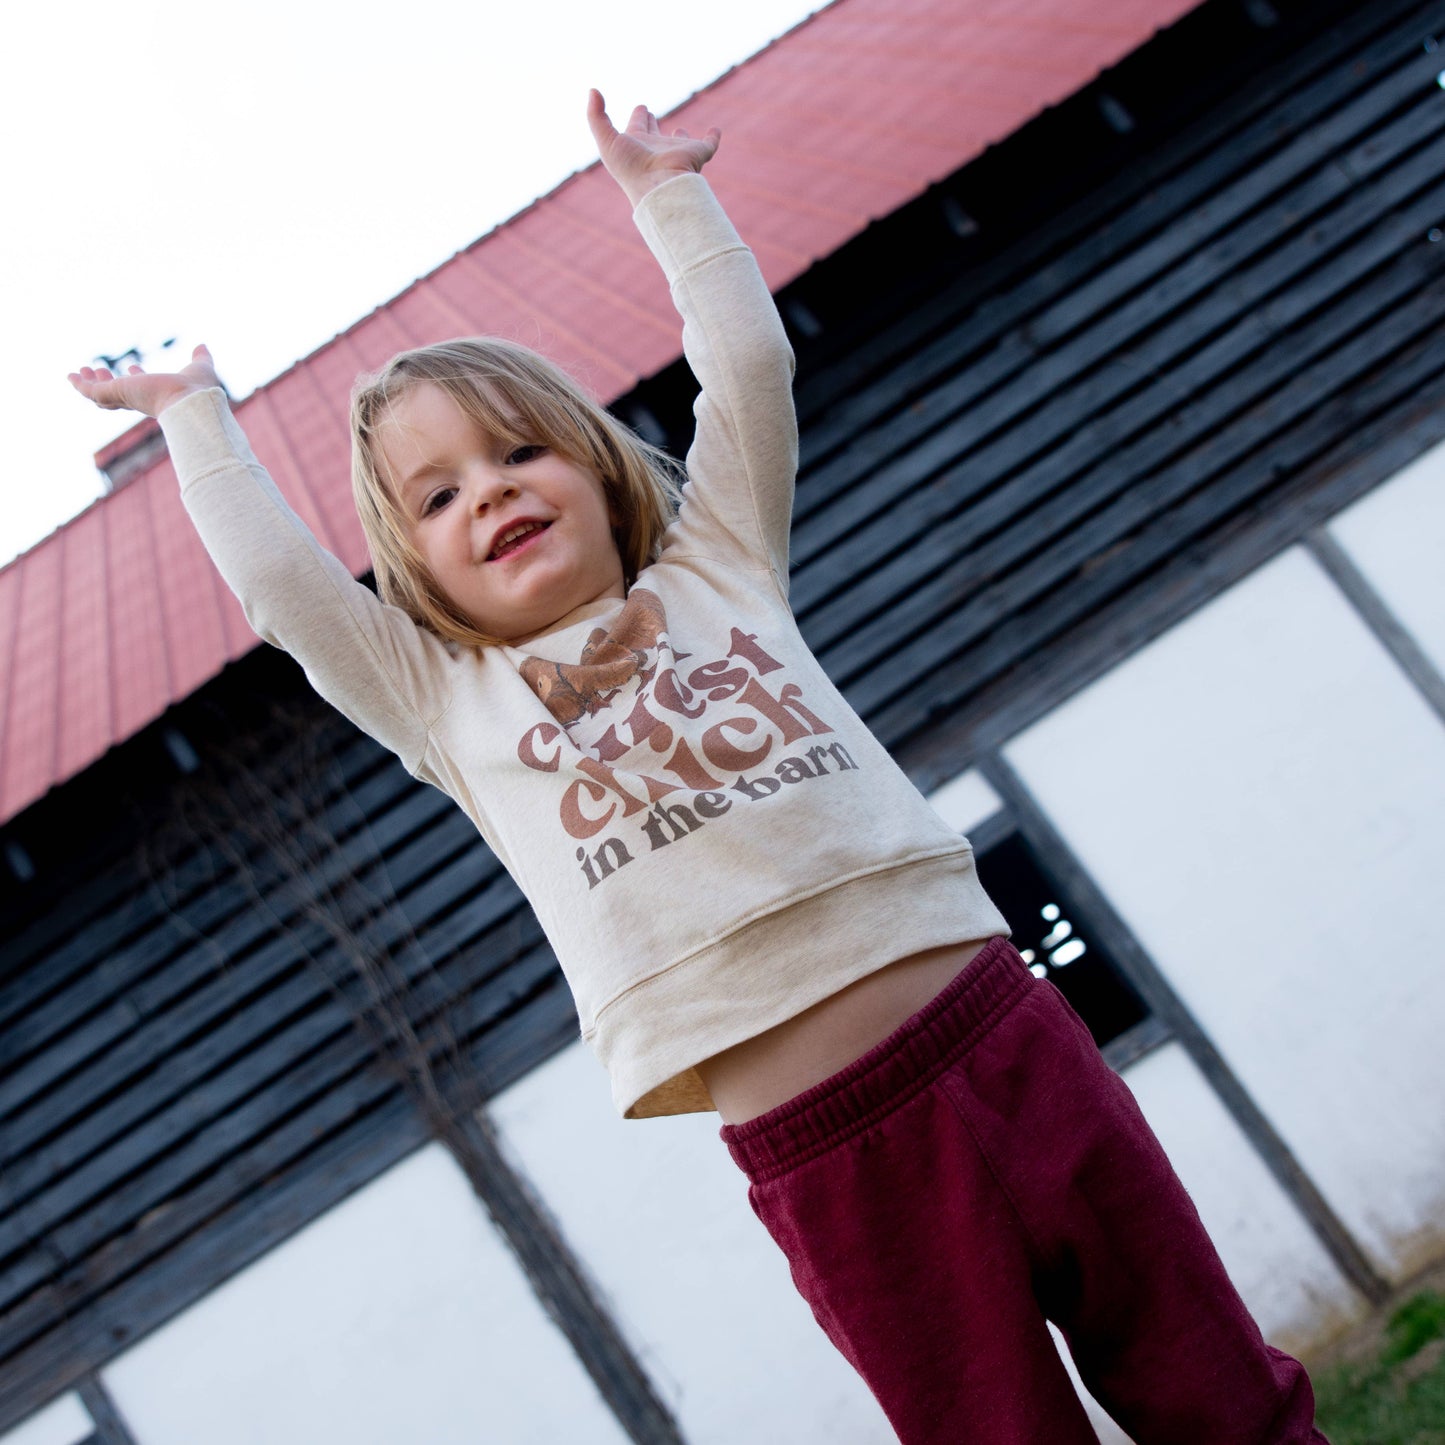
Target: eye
point(437, 500)
point(520, 455)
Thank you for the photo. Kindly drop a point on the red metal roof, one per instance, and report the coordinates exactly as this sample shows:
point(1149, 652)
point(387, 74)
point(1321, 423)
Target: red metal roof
point(119, 613)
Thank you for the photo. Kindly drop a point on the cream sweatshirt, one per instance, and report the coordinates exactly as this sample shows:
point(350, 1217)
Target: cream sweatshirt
point(711, 838)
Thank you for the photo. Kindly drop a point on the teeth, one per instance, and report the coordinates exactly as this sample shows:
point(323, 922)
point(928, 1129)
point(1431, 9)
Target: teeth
point(512, 533)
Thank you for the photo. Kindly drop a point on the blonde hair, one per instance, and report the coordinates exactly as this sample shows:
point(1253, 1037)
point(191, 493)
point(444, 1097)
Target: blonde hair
point(518, 397)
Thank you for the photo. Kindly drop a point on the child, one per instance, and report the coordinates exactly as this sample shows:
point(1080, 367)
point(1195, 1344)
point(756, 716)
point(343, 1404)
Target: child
point(755, 910)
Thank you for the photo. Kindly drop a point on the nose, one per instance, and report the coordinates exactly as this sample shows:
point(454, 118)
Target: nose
point(487, 486)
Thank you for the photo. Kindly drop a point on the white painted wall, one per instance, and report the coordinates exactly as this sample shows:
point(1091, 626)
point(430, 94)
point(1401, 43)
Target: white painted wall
point(965, 801)
point(62, 1422)
point(1261, 794)
point(1396, 536)
point(397, 1316)
point(659, 1212)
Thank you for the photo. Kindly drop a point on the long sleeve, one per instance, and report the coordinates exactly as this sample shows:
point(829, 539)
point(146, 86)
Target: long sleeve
point(368, 659)
point(744, 457)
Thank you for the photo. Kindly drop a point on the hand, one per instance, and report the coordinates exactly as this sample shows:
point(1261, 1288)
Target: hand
point(641, 157)
point(138, 390)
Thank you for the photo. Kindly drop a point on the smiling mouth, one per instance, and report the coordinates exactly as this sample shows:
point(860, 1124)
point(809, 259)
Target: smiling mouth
point(515, 537)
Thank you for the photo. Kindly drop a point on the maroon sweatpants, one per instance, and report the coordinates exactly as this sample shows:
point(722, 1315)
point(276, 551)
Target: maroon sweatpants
point(978, 1172)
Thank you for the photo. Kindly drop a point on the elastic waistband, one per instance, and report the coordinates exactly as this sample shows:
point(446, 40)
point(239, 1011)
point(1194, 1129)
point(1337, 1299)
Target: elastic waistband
point(889, 1074)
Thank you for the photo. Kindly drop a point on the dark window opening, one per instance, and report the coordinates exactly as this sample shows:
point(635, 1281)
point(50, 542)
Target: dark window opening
point(1054, 937)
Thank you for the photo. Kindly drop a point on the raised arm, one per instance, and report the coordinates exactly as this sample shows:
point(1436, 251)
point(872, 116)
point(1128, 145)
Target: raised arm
point(369, 660)
point(743, 460)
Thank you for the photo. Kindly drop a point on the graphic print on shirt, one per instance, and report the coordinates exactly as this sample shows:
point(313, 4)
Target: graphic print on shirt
point(637, 727)
point(609, 661)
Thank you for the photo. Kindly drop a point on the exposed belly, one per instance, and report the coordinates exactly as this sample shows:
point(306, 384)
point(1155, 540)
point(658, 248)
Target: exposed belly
point(762, 1072)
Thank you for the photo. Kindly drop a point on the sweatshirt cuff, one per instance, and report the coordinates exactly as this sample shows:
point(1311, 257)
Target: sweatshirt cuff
point(201, 434)
point(684, 224)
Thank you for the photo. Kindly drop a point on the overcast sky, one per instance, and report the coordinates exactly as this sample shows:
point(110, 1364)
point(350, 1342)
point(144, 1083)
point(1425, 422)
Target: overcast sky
point(260, 177)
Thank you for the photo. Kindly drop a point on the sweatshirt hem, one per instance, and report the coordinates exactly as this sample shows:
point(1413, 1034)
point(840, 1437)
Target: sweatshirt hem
point(771, 969)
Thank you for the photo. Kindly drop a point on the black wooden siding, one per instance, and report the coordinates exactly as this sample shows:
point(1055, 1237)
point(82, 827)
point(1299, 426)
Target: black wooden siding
point(1033, 435)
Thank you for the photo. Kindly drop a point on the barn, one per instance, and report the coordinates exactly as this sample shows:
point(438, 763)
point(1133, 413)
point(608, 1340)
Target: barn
point(1121, 519)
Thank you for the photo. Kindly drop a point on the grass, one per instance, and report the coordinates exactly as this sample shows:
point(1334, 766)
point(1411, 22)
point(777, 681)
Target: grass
point(1399, 1398)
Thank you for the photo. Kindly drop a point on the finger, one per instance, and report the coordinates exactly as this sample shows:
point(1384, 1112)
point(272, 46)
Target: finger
point(93, 391)
point(201, 353)
point(603, 131)
point(680, 134)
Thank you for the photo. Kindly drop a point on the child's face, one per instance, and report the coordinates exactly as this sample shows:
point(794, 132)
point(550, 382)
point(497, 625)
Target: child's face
point(517, 537)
